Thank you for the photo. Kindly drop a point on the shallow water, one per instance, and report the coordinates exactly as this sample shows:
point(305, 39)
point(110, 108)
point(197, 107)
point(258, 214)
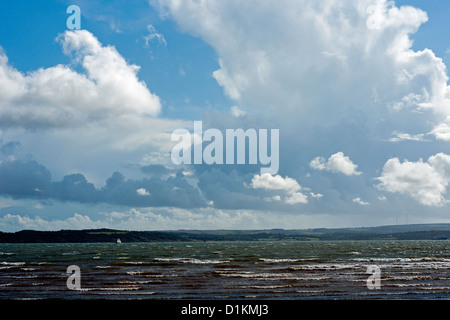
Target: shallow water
point(227, 270)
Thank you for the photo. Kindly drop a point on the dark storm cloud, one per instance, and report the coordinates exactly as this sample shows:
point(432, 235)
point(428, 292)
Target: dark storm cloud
point(226, 189)
point(24, 179)
point(11, 147)
point(175, 191)
point(28, 179)
point(155, 170)
point(75, 187)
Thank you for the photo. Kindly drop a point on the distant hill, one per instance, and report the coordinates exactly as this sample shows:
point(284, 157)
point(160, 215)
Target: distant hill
point(440, 231)
point(393, 228)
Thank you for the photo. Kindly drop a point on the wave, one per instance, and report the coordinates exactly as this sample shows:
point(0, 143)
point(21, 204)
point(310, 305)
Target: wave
point(38, 284)
point(409, 278)
point(121, 293)
point(128, 288)
point(27, 276)
point(28, 269)
point(39, 263)
point(6, 284)
point(141, 282)
point(135, 263)
point(10, 265)
point(326, 267)
point(6, 263)
point(404, 259)
point(269, 287)
point(278, 260)
point(72, 253)
point(192, 260)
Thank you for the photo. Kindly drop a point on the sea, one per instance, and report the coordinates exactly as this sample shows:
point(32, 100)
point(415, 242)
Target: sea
point(236, 270)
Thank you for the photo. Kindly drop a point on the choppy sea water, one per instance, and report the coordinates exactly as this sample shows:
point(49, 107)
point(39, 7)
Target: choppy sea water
point(228, 270)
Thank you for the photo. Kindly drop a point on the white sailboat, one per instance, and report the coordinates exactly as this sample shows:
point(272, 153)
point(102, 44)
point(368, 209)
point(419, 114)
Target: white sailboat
point(118, 241)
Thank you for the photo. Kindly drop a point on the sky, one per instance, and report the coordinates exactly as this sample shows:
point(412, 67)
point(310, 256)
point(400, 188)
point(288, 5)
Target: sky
point(357, 91)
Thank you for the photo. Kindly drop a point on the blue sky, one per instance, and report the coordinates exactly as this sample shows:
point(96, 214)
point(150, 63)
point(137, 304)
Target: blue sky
point(358, 91)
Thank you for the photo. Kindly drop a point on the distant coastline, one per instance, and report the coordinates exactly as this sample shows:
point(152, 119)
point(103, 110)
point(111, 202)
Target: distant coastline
point(439, 231)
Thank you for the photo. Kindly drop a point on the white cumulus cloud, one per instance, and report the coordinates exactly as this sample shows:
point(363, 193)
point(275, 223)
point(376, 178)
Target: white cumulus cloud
point(59, 96)
point(305, 56)
point(442, 130)
point(142, 192)
point(361, 202)
point(277, 183)
point(426, 181)
point(337, 162)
